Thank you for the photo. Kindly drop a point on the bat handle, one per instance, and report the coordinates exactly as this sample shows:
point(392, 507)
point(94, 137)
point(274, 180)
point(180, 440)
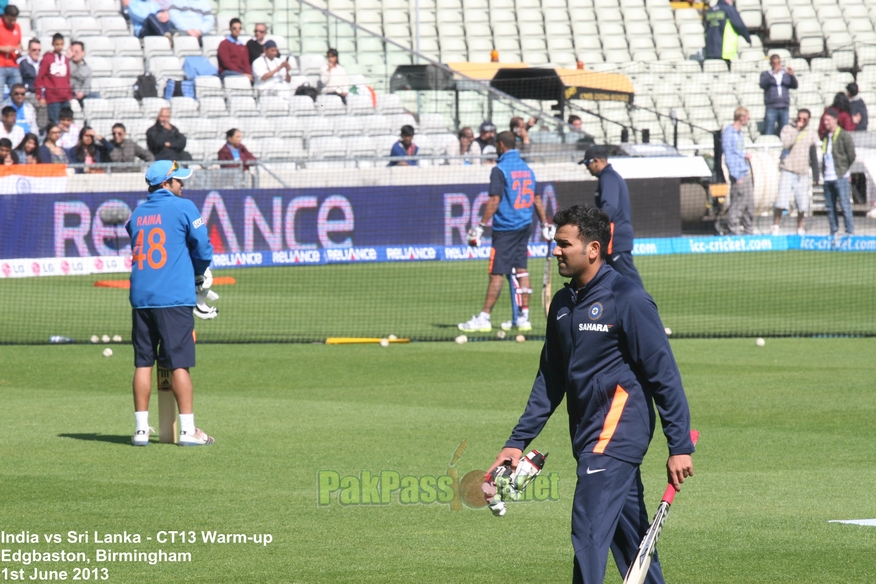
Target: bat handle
point(669, 494)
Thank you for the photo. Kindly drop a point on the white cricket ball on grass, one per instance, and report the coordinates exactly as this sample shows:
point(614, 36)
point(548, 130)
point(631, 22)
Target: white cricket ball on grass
point(392, 337)
point(760, 342)
point(500, 335)
point(117, 338)
point(520, 339)
point(461, 340)
point(105, 338)
point(107, 352)
point(384, 342)
point(668, 331)
point(95, 339)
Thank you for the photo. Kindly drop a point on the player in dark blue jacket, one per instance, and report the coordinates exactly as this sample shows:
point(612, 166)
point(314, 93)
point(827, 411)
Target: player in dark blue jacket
point(613, 197)
point(171, 254)
point(723, 26)
point(606, 352)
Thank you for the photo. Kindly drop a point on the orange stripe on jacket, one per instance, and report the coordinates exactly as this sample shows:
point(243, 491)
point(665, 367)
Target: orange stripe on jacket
point(611, 420)
point(492, 258)
point(611, 239)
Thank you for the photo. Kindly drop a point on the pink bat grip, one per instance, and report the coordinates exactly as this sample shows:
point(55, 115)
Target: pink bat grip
point(669, 494)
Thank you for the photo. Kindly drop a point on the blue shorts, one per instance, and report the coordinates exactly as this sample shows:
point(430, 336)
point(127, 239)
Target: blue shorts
point(509, 251)
point(165, 334)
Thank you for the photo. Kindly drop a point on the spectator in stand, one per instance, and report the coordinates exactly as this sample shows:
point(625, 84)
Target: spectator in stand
point(29, 151)
point(233, 55)
point(126, 150)
point(741, 182)
point(858, 107)
point(404, 147)
point(467, 147)
point(575, 122)
point(487, 140)
point(192, 17)
point(723, 27)
point(140, 10)
point(9, 129)
point(521, 132)
point(165, 141)
point(51, 152)
point(80, 72)
point(272, 73)
point(800, 143)
point(838, 150)
point(776, 85)
point(256, 45)
point(235, 150)
point(91, 149)
point(29, 65)
point(25, 114)
point(10, 47)
point(6, 156)
point(333, 78)
point(53, 80)
point(155, 23)
point(69, 130)
point(843, 108)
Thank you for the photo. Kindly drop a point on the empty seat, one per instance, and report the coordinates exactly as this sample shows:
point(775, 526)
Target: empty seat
point(389, 103)
point(126, 46)
point(98, 46)
point(208, 86)
point(100, 66)
point(84, 26)
point(273, 106)
point(49, 25)
point(70, 8)
point(213, 107)
point(97, 108)
point(152, 105)
point(287, 127)
point(360, 105)
point(103, 8)
point(347, 126)
point(238, 86)
point(157, 46)
point(301, 105)
point(126, 107)
point(242, 106)
point(330, 105)
point(211, 45)
point(184, 107)
point(327, 147)
point(167, 67)
point(114, 26)
point(127, 67)
point(185, 46)
point(316, 126)
point(433, 123)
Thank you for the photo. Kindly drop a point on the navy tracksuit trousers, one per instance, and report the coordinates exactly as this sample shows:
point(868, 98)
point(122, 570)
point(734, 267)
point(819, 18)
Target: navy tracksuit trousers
point(608, 512)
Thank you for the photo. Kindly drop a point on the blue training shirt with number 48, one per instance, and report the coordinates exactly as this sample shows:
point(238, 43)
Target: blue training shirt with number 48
point(169, 246)
point(514, 181)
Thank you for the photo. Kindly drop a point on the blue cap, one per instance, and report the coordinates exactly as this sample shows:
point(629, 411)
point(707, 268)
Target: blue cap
point(166, 169)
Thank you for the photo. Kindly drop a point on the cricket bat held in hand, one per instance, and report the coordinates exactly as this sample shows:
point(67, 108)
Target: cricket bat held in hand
point(638, 570)
point(546, 282)
point(167, 420)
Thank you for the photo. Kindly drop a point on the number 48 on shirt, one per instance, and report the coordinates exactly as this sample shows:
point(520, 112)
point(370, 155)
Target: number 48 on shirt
point(155, 241)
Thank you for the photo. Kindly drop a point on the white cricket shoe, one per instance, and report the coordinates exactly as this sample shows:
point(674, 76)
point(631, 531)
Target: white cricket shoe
point(801, 231)
point(774, 230)
point(199, 438)
point(523, 325)
point(476, 325)
point(141, 437)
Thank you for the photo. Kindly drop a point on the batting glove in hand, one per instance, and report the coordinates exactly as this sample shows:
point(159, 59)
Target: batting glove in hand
point(203, 310)
point(204, 282)
point(474, 235)
point(548, 231)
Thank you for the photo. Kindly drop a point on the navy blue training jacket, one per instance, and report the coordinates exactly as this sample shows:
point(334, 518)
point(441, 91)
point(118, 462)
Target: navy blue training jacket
point(606, 352)
point(613, 197)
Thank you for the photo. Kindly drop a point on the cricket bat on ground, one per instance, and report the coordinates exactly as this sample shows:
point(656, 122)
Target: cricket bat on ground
point(546, 282)
point(167, 419)
point(639, 568)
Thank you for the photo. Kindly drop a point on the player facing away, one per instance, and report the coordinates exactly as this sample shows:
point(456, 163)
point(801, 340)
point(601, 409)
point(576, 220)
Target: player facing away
point(613, 197)
point(605, 352)
point(171, 254)
point(512, 198)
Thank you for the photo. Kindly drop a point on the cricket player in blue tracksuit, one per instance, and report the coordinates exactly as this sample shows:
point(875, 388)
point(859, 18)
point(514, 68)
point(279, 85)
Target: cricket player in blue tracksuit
point(613, 197)
point(171, 256)
point(606, 352)
point(512, 199)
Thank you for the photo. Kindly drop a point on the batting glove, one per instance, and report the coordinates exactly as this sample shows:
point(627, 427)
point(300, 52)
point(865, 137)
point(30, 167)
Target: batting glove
point(474, 235)
point(548, 231)
point(204, 281)
point(203, 310)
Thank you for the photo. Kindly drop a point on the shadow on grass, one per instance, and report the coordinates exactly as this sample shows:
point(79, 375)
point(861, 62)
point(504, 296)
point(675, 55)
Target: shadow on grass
point(99, 438)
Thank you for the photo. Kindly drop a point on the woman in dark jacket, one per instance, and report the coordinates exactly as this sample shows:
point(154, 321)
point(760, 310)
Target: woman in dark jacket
point(29, 150)
point(91, 149)
point(51, 152)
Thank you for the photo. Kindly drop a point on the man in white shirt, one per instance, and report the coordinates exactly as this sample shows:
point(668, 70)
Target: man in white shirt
point(9, 129)
point(271, 73)
point(333, 78)
point(25, 114)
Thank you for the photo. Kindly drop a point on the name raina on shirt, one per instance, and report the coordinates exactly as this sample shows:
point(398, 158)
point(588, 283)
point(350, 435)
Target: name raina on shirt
point(148, 220)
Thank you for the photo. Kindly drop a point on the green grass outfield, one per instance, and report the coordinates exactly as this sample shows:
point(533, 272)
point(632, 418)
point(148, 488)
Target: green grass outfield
point(788, 442)
point(714, 295)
